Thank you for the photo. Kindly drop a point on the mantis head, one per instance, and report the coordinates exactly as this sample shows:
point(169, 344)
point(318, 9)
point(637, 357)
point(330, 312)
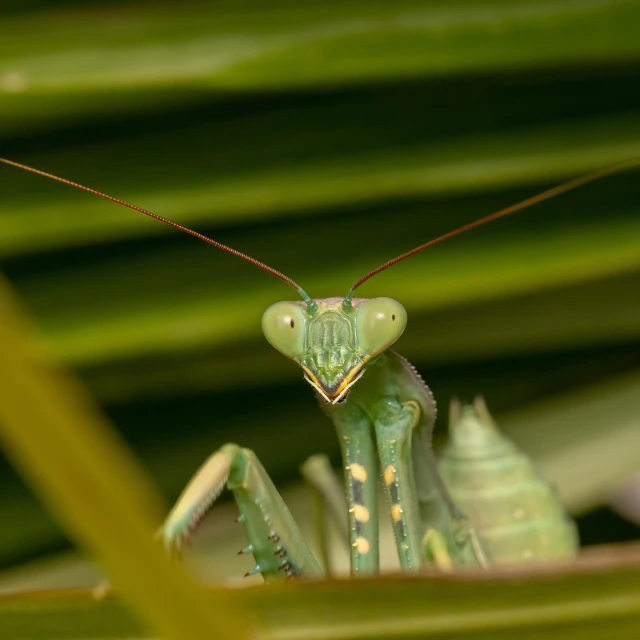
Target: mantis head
point(334, 339)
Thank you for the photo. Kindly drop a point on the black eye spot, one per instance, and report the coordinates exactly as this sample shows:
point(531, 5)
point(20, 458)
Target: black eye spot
point(393, 317)
point(292, 323)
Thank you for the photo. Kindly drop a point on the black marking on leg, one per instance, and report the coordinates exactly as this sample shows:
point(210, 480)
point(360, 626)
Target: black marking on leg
point(356, 501)
point(401, 530)
point(394, 492)
point(356, 491)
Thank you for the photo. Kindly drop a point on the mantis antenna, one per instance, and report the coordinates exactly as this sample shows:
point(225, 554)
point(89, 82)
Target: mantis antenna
point(541, 197)
point(234, 252)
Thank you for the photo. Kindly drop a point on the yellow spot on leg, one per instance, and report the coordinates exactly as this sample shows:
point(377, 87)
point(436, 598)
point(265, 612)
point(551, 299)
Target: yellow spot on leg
point(361, 545)
point(390, 474)
point(360, 513)
point(358, 472)
point(396, 512)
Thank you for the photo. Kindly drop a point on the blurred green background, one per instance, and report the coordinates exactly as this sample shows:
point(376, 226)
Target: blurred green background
point(323, 139)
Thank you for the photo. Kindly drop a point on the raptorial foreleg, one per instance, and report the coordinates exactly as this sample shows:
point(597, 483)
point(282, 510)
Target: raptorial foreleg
point(275, 540)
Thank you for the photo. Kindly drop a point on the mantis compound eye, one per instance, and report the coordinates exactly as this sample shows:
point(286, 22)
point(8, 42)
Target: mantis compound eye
point(379, 323)
point(283, 325)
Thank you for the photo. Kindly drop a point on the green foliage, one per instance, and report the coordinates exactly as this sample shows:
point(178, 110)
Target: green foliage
point(89, 480)
point(601, 596)
point(325, 138)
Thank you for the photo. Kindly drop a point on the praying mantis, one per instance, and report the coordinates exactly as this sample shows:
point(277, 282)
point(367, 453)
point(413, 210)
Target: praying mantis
point(484, 505)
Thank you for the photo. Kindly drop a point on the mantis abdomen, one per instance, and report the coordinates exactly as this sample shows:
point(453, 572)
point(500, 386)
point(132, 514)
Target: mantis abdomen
point(516, 513)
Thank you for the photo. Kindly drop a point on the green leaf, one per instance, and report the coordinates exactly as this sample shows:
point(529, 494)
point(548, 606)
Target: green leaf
point(93, 484)
point(599, 595)
point(145, 57)
point(289, 187)
point(586, 442)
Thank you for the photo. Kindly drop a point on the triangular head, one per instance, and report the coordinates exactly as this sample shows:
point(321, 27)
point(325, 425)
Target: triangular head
point(334, 339)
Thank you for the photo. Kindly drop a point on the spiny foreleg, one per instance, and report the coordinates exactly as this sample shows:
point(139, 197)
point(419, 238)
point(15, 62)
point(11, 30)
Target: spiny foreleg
point(275, 540)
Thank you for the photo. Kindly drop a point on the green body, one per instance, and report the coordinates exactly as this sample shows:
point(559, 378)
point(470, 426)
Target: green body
point(384, 415)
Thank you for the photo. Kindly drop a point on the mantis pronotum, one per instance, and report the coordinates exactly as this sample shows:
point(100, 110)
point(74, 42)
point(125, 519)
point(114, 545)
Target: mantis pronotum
point(384, 415)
